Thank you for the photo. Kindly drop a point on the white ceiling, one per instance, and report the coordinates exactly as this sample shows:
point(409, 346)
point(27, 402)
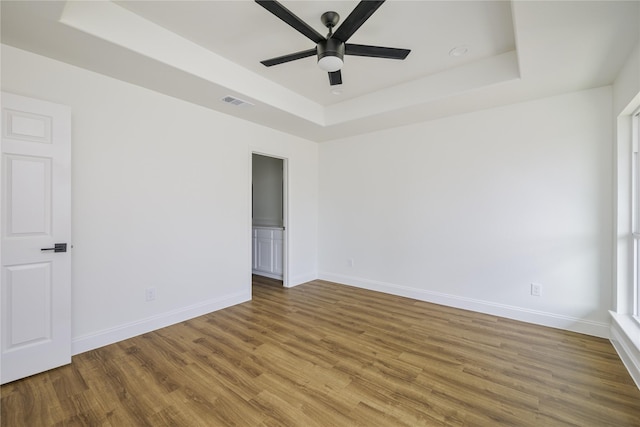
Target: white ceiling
point(201, 51)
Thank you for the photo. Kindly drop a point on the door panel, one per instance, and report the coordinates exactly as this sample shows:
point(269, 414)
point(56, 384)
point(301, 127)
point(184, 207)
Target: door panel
point(264, 254)
point(277, 256)
point(28, 296)
point(36, 214)
point(27, 126)
point(28, 187)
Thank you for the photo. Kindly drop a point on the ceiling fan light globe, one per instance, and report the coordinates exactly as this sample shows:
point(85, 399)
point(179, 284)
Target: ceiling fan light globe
point(330, 54)
point(330, 63)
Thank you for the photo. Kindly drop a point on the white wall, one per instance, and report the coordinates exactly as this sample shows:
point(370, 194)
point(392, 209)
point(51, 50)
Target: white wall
point(161, 197)
point(470, 210)
point(466, 211)
point(627, 84)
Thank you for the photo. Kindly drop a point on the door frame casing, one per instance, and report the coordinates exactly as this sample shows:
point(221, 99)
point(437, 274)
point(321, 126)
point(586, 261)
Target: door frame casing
point(285, 210)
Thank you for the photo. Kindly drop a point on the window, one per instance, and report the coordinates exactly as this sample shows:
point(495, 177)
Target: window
point(635, 209)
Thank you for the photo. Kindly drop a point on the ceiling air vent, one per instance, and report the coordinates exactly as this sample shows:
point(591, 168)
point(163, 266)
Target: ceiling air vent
point(236, 101)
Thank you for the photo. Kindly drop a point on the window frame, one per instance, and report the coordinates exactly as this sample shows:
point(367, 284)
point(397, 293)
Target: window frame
point(635, 210)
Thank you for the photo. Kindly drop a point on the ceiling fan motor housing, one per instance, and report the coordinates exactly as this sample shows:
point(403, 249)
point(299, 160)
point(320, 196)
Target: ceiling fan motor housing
point(330, 47)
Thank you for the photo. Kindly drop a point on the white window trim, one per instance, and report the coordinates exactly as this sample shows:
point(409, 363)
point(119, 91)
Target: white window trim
point(635, 212)
point(625, 326)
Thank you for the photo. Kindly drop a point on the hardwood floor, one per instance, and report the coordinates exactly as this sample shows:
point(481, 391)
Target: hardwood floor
point(323, 354)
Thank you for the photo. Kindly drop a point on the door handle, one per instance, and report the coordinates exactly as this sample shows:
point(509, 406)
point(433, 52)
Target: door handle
point(58, 247)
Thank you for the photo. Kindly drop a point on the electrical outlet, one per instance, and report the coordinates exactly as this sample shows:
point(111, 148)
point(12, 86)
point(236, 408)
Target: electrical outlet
point(150, 294)
point(351, 262)
point(536, 289)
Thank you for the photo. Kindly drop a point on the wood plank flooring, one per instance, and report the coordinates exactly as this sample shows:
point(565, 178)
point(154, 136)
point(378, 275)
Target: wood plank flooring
point(323, 354)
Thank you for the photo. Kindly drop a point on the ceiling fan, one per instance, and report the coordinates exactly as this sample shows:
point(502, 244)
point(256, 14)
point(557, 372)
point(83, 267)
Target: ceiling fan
point(332, 48)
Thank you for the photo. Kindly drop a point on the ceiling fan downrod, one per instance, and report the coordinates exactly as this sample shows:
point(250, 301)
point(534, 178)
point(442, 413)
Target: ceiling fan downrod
point(330, 20)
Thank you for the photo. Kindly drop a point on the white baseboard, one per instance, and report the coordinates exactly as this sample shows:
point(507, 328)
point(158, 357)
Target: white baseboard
point(122, 332)
point(588, 327)
point(299, 280)
point(625, 337)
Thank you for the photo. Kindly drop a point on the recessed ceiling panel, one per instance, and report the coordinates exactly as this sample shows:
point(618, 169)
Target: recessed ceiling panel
point(246, 33)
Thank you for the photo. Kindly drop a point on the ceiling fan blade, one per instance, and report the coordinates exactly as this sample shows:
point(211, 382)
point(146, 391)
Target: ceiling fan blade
point(375, 51)
point(289, 57)
point(287, 16)
point(335, 78)
point(356, 18)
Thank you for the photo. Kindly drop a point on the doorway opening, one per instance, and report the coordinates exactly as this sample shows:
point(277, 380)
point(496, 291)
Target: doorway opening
point(269, 219)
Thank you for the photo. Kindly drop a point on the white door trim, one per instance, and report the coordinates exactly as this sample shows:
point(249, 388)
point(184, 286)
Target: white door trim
point(286, 238)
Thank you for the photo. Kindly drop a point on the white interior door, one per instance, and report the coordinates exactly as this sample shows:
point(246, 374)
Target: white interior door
point(36, 223)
